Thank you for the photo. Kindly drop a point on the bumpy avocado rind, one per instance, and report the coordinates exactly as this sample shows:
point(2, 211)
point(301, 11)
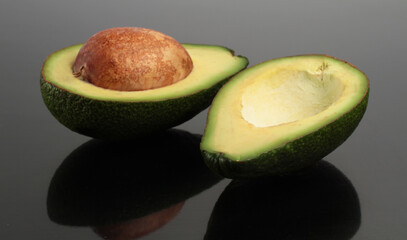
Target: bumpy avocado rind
point(122, 120)
point(110, 118)
point(298, 153)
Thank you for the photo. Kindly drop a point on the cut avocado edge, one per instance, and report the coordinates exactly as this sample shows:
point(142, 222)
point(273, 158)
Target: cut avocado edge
point(59, 61)
point(292, 152)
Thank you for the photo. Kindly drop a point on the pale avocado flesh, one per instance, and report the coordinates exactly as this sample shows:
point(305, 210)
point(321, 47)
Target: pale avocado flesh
point(209, 61)
point(109, 114)
point(283, 114)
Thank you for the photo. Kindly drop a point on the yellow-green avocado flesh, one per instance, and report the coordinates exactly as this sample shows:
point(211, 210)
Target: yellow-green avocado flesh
point(283, 115)
point(109, 114)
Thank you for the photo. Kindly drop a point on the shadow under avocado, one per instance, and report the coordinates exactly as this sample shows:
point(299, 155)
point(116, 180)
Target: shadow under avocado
point(317, 203)
point(104, 182)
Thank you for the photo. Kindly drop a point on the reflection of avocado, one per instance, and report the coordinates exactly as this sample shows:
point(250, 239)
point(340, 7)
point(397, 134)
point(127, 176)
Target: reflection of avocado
point(110, 114)
point(283, 115)
point(105, 182)
point(319, 203)
point(136, 228)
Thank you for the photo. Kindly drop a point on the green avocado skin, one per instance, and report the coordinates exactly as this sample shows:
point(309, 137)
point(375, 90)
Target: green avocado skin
point(122, 120)
point(294, 155)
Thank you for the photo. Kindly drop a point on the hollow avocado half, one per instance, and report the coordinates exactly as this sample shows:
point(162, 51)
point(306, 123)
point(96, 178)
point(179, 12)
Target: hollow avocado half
point(108, 114)
point(283, 115)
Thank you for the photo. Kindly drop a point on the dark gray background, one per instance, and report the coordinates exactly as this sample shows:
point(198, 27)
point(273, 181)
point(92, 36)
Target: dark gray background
point(371, 34)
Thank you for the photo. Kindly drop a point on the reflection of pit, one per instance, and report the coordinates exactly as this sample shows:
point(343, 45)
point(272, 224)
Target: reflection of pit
point(288, 96)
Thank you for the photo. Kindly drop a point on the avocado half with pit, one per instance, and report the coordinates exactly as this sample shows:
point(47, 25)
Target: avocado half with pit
point(283, 115)
point(111, 114)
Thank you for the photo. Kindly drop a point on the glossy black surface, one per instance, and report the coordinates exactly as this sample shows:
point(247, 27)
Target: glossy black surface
point(104, 182)
point(37, 153)
point(316, 203)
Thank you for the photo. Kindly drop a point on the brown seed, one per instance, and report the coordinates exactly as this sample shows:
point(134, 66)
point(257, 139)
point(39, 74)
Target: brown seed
point(131, 59)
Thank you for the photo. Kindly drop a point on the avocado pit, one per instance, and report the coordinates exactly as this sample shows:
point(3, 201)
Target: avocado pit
point(132, 59)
